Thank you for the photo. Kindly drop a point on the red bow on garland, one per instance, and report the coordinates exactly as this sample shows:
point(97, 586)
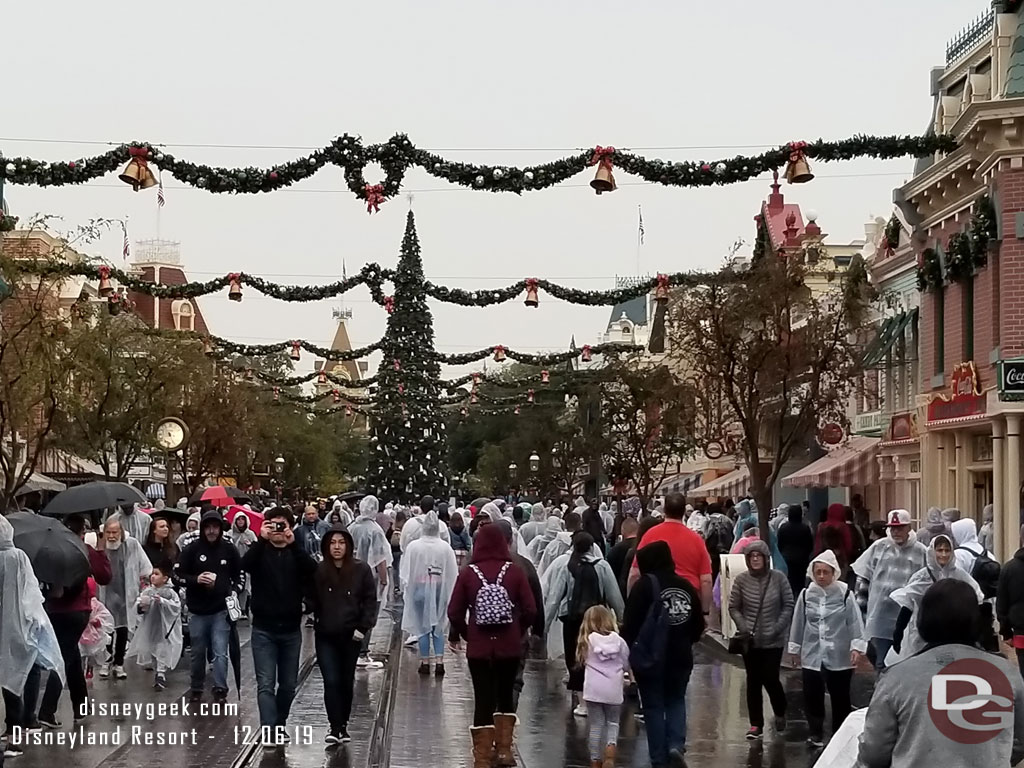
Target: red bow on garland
point(389, 304)
point(234, 277)
point(796, 150)
point(374, 197)
point(602, 155)
point(140, 154)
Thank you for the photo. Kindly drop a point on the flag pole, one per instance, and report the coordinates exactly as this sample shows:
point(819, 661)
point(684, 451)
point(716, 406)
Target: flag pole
point(639, 236)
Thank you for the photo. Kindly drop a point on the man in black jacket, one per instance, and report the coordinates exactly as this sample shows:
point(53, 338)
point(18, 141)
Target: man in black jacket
point(537, 630)
point(211, 570)
point(281, 574)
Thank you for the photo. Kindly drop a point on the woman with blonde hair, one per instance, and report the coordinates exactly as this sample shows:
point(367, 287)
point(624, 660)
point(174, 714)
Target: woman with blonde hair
point(605, 656)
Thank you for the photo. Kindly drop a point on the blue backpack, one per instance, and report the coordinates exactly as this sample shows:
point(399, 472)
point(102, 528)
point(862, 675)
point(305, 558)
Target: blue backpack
point(647, 656)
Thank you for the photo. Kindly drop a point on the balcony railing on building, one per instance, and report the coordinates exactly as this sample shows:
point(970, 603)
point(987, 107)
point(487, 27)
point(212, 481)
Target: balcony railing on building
point(970, 37)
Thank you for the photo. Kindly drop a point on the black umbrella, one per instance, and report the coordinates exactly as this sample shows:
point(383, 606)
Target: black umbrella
point(92, 497)
point(58, 556)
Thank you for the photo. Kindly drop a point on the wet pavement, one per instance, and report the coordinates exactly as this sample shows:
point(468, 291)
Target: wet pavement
point(403, 720)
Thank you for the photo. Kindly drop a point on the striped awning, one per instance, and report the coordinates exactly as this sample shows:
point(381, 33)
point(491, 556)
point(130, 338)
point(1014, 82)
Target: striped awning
point(679, 483)
point(156, 491)
point(731, 485)
point(848, 465)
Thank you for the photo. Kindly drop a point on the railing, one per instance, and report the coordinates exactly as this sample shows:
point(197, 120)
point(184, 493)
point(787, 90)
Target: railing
point(968, 38)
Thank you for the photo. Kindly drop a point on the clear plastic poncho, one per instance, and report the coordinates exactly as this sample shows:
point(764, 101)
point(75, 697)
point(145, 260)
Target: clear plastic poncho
point(413, 529)
point(120, 594)
point(158, 635)
point(135, 523)
point(96, 635)
point(371, 544)
point(827, 623)
point(538, 521)
point(26, 635)
point(428, 571)
point(535, 551)
point(887, 566)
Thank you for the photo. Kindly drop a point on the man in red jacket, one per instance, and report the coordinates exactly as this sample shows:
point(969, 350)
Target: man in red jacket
point(69, 611)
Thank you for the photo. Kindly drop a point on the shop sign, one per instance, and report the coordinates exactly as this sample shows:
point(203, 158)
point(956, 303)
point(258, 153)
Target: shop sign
point(1011, 379)
point(868, 422)
point(831, 434)
point(963, 399)
point(903, 426)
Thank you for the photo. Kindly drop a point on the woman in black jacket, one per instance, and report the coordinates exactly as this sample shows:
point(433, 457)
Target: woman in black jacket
point(344, 600)
point(663, 689)
point(796, 544)
point(1010, 602)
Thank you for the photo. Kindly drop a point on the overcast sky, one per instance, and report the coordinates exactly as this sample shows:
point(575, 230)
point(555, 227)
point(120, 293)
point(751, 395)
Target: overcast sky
point(509, 83)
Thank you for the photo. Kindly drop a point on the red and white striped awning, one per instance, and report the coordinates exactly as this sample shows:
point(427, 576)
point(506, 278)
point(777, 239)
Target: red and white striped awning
point(848, 465)
point(731, 485)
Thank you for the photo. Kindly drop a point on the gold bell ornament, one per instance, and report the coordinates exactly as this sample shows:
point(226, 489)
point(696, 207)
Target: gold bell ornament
point(529, 396)
point(321, 377)
point(348, 410)
point(106, 288)
point(545, 377)
point(532, 299)
point(603, 181)
point(499, 354)
point(235, 289)
point(296, 352)
point(797, 169)
point(137, 172)
point(207, 346)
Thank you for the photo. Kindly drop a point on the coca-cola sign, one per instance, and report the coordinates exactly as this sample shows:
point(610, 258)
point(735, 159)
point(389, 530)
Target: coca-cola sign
point(1011, 378)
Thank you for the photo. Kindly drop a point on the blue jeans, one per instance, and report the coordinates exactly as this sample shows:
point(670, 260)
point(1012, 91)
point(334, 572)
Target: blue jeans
point(275, 655)
point(881, 647)
point(435, 632)
point(664, 702)
point(206, 632)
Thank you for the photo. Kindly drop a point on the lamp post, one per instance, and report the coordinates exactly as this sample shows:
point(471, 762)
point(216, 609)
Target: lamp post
point(279, 472)
point(534, 462)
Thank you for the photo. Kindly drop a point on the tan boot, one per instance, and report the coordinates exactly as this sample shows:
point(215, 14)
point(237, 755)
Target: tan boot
point(504, 731)
point(483, 745)
point(609, 756)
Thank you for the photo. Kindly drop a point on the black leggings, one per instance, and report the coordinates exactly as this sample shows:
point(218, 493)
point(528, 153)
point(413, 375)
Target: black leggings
point(493, 683)
point(763, 672)
point(570, 638)
point(837, 681)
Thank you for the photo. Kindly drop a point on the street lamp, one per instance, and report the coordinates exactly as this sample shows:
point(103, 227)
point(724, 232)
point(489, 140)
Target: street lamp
point(279, 471)
point(556, 461)
point(534, 462)
point(512, 469)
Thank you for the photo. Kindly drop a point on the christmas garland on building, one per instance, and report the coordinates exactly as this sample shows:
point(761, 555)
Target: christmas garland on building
point(217, 346)
point(398, 154)
point(501, 353)
point(966, 252)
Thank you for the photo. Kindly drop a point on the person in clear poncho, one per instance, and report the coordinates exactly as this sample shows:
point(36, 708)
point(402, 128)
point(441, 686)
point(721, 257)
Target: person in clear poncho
point(428, 571)
point(494, 512)
point(134, 520)
point(129, 568)
point(538, 519)
point(536, 548)
point(157, 641)
point(26, 635)
point(563, 543)
point(413, 527)
point(372, 547)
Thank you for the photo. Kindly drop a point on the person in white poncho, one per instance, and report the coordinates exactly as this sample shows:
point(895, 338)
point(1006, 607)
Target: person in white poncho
point(532, 529)
point(539, 543)
point(563, 543)
point(134, 520)
point(158, 638)
point(372, 547)
point(428, 573)
point(26, 635)
point(413, 527)
point(827, 637)
point(941, 564)
point(129, 568)
point(492, 511)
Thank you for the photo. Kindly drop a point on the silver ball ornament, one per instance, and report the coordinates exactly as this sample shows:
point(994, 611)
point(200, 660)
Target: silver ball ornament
point(10, 168)
point(313, 161)
point(498, 173)
point(528, 175)
point(479, 181)
point(720, 169)
point(201, 182)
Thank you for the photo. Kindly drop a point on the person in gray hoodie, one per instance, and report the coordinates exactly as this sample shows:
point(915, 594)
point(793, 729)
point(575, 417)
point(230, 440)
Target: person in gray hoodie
point(761, 604)
point(933, 526)
point(904, 729)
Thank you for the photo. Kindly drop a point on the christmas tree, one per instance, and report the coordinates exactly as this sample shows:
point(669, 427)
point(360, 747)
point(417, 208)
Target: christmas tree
point(408, 442)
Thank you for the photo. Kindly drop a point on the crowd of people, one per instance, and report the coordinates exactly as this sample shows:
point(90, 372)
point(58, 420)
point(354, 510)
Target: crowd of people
point(621, 593)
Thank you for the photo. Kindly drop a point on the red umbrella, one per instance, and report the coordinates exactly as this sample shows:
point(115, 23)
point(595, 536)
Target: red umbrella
point(255, 518)
point(219, 496)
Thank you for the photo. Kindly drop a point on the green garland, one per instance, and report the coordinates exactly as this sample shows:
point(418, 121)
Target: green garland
point(8, 223)
point(762, 242)
point(552, 358)
point(891, 237)
point(966, 252)
point(219, 345)
point(292, 381)
point(319, 397)
point(398, 154)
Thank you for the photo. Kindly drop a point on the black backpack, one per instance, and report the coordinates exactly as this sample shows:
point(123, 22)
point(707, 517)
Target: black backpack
point(586, 591)
point(649, 651)
point(985, 571)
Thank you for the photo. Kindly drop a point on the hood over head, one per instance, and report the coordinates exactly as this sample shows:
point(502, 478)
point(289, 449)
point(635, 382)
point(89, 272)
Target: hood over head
point(457, 523)
point(965, 532)
point(933, 561)
point(369, 507)
point(758, 546)
point(951, 515)
point(934, 521)
point(490, 544)
point(431, 524)
point(655, 558)
point(539, 513)
point(492, 511)
point(988, 513)
point(6, 534)
point(336, 506)
point(828, 557)
point(743, 509)
point(243, 519)
point(325, 544)
point(213, 516)
point(836, 514)
point(507, 529)
point(552, 527)
point(194, 518)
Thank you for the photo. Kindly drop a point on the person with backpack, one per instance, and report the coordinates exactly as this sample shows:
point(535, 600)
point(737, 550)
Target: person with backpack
point(941, 564)
point(491, 608)
point(975, 559)
point(575, 582)
point(1010, 601)
point(661, 623)
point(826, 637)
point(605, 655)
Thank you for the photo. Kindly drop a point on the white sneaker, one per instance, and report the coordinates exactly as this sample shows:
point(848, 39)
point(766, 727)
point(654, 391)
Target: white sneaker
point(119, 672)
point(103, 671)
point(363, 661)
point(581, 710)
point(373, 664)
point(411, 640)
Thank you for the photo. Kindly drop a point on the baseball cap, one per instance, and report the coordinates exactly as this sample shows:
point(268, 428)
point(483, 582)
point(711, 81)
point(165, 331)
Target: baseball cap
point(898, 517)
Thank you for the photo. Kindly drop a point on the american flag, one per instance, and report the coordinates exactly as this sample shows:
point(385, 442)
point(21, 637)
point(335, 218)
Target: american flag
point(126, 249)
point(640, 230)
point(160, 201)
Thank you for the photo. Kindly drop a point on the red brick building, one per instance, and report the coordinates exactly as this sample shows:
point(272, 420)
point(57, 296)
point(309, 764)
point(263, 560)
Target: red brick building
point(159, 261)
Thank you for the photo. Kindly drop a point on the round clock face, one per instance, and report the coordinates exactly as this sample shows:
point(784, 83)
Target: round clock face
point(170, 435)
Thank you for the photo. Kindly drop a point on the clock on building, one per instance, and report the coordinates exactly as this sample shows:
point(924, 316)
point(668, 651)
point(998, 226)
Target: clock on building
point(171, 434)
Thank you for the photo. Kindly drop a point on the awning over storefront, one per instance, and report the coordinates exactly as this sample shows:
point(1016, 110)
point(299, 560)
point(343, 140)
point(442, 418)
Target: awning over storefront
point(888, 333)
point(680, 483)
point(39, 482)
point(733, 484)
point(156, 491)
point(848, 465)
